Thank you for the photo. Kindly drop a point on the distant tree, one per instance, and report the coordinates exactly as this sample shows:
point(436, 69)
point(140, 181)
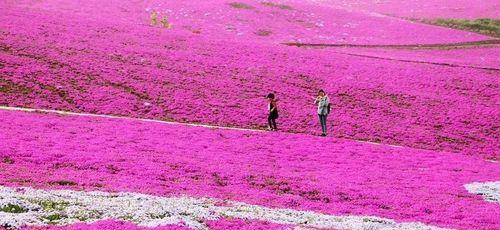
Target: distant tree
point(165, 23)
point(154, 18)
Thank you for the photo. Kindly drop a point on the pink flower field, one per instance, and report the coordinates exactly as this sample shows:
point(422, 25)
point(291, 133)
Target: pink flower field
point(152, 115)
point(468, 9)
point(272, 169)
point(479, 58)
point(114, 67)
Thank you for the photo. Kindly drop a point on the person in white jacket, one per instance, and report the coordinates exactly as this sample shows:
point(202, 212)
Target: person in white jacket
point(323, 102)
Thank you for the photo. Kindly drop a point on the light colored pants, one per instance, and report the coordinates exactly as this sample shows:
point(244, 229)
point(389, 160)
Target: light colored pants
point(322, 120)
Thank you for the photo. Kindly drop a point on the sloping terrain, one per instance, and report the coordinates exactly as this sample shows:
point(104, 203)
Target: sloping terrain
point(166, 120)
point(432, 9)
point(250, 21)
point(275, 170)
point(83, 61)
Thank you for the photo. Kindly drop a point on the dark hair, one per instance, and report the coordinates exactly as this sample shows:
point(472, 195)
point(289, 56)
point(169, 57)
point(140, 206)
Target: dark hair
point(271, 95)
point(321, 91)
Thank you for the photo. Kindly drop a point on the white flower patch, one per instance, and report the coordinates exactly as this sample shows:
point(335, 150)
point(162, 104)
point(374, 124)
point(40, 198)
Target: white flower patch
point(32, 207)
point(489, 190)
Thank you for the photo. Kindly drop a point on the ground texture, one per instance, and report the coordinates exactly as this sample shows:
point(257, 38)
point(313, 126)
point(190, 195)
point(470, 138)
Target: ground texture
point(393, 81)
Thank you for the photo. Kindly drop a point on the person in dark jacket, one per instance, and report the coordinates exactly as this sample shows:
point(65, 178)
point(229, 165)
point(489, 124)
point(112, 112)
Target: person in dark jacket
point(273, 112)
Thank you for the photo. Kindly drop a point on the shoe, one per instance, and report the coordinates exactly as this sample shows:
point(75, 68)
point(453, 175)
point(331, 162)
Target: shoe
point(323, 134)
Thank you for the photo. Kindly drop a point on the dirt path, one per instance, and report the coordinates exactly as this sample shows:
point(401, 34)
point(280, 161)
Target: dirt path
point(67, 113)
point(458, 45)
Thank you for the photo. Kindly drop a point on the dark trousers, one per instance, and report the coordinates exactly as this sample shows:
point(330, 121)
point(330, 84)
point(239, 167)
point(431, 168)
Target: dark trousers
point(322, 120)
point(271, 119)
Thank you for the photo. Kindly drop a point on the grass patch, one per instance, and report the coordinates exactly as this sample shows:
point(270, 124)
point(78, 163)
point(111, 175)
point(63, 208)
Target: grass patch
point(485, 26)
point(63, 183)
point(8, 160)
point(128, 89)
point(20, 180)
point(160, 216)
point(8, 86)
point(54, 218)
point(88, 215)
point(53, 205)
point(276, 5)
point(126, 217)
point(239, 5)
point(13, 208)
point(450, 140)
point(219, 180)
point(263, 33)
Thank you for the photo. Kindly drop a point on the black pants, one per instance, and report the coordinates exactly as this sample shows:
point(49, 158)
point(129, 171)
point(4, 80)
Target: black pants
point(322, 120)
point(271, 119)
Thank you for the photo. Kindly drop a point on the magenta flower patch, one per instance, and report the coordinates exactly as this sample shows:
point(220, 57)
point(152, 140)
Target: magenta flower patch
point(430, 90)
point(95, 61)
point(274, 170)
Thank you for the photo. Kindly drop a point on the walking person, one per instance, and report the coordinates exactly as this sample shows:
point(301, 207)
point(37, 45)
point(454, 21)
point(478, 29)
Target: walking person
point(273, 112)
point(323, 103)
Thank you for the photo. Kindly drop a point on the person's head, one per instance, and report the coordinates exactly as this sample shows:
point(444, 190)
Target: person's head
point(321, 93)
point(270, 96)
